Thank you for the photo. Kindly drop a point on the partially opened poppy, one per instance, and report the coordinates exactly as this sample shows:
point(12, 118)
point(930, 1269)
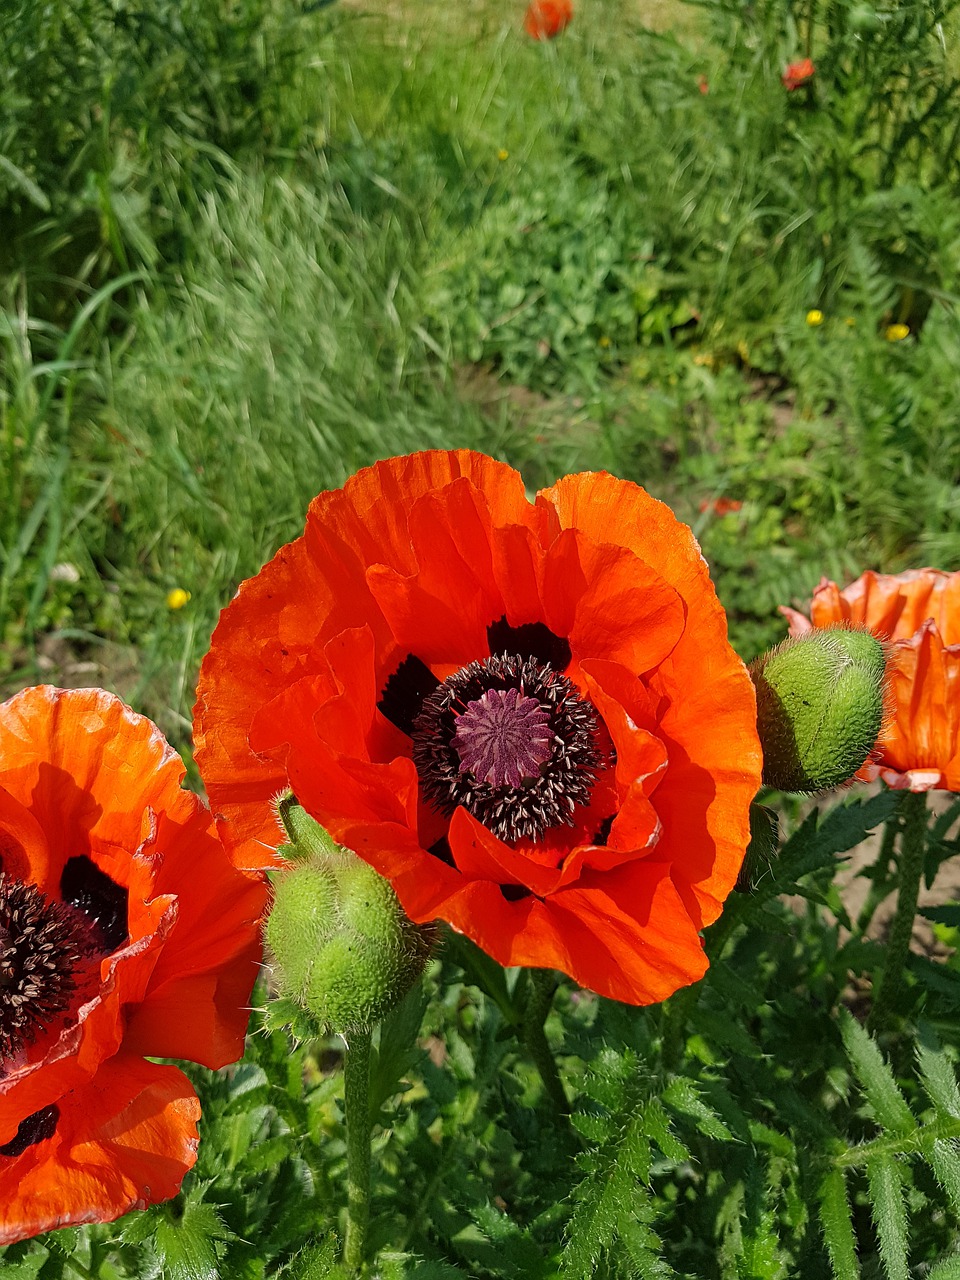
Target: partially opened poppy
point(125, 933)
point(919, 613)
point(526, 716)
point(545, 19)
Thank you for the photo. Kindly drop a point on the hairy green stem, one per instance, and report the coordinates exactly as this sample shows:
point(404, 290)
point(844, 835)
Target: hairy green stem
point(356, 1105)
point(542, 985)
point(913, 814)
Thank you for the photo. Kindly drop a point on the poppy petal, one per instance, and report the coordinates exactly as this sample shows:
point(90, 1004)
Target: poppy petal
point(123, 1141)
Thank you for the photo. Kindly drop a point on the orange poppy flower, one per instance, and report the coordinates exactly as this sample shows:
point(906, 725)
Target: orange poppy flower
point(545, 19)
point(919, 613)
point(797, 73)
point(125, 933)
point(526, 716)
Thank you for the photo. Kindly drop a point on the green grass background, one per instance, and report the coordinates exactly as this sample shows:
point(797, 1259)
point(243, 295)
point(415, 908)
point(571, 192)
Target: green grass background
point(247, 248)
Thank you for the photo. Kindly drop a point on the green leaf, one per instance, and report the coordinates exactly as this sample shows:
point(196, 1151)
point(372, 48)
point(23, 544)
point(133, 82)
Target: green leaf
point(945, 1163)
point(683, 1096)
point(819, 839)
point(889, 1214)
point(888, 1103)
point(316, 1262)
point(946, 1269)
point(397, 1050)
point(186, 1245)
point(837, 1226)
point(938, 1075)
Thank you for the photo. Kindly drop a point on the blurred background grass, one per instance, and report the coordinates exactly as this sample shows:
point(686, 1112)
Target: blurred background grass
point(248, 247)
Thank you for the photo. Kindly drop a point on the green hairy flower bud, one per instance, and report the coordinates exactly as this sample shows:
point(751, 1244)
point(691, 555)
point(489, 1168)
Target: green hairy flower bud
point(820, 707)
point(342, 947)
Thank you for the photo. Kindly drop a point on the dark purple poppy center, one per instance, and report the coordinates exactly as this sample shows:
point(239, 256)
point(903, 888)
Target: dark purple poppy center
point(511, 740)
point(47, 950)
point(503, 737)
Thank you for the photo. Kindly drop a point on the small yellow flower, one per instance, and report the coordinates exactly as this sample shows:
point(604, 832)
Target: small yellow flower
point(896, 332)
point(705, 360)
point(849, 321)
point(503, 154)
point(603, 341)
point(814, 318)
point(177, 598)
point(743, 351)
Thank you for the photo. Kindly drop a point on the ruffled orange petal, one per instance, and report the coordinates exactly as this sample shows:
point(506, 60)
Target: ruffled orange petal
point(69, 1056)
point(68, 755)
point(24, 852)
point(893, 606)
point(100, 782)
point(266, 638)
point(924, 732)
point(708, 708)
point(123, 1141)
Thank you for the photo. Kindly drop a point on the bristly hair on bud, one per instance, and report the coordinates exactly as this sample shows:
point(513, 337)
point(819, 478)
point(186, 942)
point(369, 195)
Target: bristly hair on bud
point(821, 705)
point(342, 948)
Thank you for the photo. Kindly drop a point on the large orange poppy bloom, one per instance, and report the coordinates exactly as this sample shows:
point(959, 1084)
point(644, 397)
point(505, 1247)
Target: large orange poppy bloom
point(919, 613)
point(125, 933)
point(525, 715)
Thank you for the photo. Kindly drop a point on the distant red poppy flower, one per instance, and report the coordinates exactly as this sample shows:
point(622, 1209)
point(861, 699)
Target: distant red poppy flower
point(797, 74)
point(703, 84)
point(720, 506)
point(545, 19)
point(125, 933)
point(919, 613)
point(525, 715)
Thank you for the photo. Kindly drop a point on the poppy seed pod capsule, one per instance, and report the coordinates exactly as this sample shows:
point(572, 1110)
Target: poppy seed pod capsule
point(820, 707)
point(341, 945)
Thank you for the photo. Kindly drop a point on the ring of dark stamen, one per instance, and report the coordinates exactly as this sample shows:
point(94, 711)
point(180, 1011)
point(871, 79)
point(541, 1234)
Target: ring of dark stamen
point(84, 886)
point(565, 780)
point(42, 946)
point(35, 1128)
point(404, 693)
point(530, 640)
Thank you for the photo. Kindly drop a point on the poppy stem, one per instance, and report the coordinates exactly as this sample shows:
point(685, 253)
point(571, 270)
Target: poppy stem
point(913, 843)
point(356, 1105)
point(542, 986)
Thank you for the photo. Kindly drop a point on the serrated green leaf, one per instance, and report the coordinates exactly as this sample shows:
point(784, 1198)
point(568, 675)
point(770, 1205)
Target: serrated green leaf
point(887, 1102)
point(939, 1078)
point(946, 1269)
point(656, 1125)
point(889, 1214)
point(316, 1262)
point(837, 1224)
point(945, 1162)
point(187, 1236)
point(820, 837)
point(683, 1096)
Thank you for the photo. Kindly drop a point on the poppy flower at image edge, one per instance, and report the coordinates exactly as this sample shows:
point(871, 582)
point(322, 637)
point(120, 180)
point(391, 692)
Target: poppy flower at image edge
point(918, 612)
point(526, 716)
point(132, 936)
point(546, 19)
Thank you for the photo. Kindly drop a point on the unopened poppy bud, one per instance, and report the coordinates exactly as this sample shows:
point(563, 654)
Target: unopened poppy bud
point(820, 704)
point(762, 849)
point(342, 947)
